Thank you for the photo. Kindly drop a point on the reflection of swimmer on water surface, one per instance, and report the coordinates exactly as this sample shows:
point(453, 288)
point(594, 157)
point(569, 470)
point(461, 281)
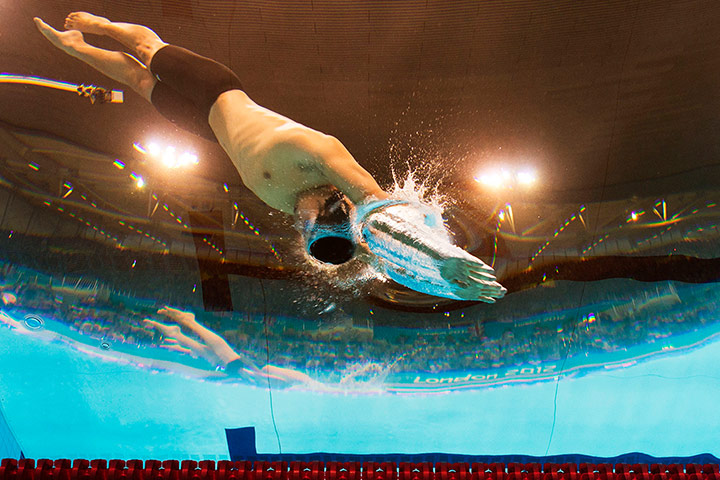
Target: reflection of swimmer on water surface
point(216, 350)
point(289, 166)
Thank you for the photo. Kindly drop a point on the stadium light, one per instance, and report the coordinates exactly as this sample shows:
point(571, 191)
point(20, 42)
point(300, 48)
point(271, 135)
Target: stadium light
point(168, 155)
point(506, 178)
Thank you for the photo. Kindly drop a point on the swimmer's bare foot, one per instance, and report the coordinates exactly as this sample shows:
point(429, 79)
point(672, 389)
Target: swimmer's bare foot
point(174, 346)
point(475, 280)
point(168, 331)
point(86, 22)
point(181, 317)
point(70, 41)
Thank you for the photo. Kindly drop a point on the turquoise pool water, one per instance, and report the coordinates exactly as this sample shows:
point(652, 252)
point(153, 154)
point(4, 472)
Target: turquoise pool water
point(65, 395)
point(152, 295)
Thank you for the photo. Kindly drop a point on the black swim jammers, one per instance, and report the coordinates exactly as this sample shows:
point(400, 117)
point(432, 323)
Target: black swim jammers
point(187, 87)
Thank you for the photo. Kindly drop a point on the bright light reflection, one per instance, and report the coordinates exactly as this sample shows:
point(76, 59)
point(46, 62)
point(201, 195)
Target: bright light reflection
point(154, 149)
point(188, 159)
point(69, 188)
point(635, 215)
point(503, 178)
point(168, 155)
point(526, 177)
point(490, 180)
point(140, 182)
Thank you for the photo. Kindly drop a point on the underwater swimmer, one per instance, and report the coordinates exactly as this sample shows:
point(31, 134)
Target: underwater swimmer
point(215, 349)
point(289, 166)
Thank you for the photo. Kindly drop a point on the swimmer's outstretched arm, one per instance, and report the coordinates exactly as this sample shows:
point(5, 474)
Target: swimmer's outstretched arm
point(341, 169)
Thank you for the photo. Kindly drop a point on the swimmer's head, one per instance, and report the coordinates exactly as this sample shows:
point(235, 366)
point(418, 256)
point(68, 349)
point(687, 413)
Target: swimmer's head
point(323, 217)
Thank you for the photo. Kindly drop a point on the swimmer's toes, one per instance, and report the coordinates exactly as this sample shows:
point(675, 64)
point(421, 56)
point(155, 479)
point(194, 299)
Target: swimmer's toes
point(180, 316)
point(67, 41)
point(171, 312)
point(85, 22)
point(44, 28)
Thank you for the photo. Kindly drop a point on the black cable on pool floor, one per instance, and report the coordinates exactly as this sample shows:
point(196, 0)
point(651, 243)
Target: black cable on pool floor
point(267, 362)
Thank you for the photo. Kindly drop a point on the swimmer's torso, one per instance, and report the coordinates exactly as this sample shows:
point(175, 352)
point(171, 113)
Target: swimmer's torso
point(269, 151)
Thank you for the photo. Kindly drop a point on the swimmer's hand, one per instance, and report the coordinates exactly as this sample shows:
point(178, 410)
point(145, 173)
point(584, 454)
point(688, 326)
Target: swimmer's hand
point(473, 279)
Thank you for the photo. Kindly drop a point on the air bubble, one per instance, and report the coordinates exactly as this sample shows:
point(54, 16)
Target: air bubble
point(33, 322)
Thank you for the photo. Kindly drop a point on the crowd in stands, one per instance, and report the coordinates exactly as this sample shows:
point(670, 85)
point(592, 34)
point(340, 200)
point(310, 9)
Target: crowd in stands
point(97, 309)
point(475, 349)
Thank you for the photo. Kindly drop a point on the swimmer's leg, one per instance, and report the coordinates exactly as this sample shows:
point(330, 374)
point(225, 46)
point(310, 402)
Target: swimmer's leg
point(116, 65)
point(286, 374)
point(174, 339)
point(215, 342)
point(225, 353)
point(140, 39)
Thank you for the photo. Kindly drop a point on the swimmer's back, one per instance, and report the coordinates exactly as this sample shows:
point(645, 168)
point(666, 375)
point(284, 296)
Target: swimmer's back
point(276, 157)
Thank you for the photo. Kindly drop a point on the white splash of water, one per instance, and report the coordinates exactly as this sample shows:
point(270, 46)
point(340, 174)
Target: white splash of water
point(411, 190)
point(355, 278)
point(369, 376)
point(364, 374)
point(360, 377)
